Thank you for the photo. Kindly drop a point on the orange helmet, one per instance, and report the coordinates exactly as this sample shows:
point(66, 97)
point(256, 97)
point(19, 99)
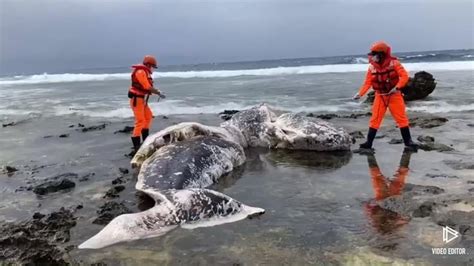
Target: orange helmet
point(379, 47)
point(150, 60)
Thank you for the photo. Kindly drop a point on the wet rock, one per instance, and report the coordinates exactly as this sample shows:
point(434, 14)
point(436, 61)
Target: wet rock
point(48, 136)
point(123, 170)
point(118, 180)
point(80, 125)
point(227, 114)
point(114, 191)
point(37, 241)
point(9, 124)
point(165, 117)
point(459, 164)
point(471, 189)
point(331, 116)
point(421, 190)
point(470, 125)
point(460, 220)
point(93, 128)
point(427, 144)
point(419, 87)
point(64, 135)
point(53, 186)
point(428, 122)
point(441, 176)
point(126, 129)
point(407, 203)
point(430, 146)
point(86, 177)
point(327, 116)
point(357, 134)
point(470, 181)
point(38, 215)
point(10, 169)
point(395, 141)
point(426, 139)
point(424, 210)
point(71, 126)
point(109, 211)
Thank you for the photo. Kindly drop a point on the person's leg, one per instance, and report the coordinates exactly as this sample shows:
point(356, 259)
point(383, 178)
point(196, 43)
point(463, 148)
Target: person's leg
point(398, 111)
point(138, 108)
point(148, 119)
point(378, 112)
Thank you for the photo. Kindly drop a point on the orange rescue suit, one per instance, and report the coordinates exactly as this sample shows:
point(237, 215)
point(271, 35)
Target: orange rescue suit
point(382, 78)
point(139, 92)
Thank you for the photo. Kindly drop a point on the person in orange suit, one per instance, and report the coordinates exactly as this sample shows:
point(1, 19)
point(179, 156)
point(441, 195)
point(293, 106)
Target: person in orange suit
point(139, 92)
point(383, 220)
point(387, 77)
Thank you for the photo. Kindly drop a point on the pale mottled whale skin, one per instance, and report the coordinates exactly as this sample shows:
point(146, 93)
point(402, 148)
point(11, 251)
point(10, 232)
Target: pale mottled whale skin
point(175, 176)
point(181, 132)
point(194, 163)
point(188, 208)
point(299, 132)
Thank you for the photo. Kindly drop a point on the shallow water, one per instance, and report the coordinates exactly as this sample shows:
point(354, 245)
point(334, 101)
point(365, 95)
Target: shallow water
point(317, 204)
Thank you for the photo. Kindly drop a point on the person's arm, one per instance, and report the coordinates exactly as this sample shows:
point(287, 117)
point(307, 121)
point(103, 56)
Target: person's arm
point(142, 77)
point(402, 75)
point(367, 84)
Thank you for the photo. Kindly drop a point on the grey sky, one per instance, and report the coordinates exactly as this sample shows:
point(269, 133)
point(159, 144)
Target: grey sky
point(55, 35)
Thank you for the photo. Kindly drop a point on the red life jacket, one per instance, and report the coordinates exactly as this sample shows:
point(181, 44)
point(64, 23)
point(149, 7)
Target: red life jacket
point(384, 78)
point(136, 89)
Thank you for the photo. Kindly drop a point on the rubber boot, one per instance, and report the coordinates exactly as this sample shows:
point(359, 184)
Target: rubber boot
point(145, 133)
point(136, 144)
point(409, 144)
point(370, 139)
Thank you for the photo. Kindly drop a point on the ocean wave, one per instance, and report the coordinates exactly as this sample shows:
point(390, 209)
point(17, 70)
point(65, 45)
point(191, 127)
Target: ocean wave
point(360, 60)
point(441, 107)
point(277, 71)
point(418, 56)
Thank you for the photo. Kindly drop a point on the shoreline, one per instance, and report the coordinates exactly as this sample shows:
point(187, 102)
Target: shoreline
point(104, 182)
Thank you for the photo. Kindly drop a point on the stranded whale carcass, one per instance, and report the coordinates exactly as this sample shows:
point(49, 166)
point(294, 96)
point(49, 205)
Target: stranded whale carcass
point(179, 162)
point(175, 177)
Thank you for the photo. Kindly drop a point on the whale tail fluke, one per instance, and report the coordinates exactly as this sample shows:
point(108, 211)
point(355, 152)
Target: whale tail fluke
point(190, 208)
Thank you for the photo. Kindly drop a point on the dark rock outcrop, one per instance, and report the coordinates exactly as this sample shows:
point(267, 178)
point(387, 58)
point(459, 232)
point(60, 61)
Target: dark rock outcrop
point(54, 186)
point(126, 129)
point(37, 241)
point(419, 87)
point(93, 128)
point(459, 164)
point(227, 114)
point(109, 211)
point(114, 191)
point(428, 122)
point(427, 143)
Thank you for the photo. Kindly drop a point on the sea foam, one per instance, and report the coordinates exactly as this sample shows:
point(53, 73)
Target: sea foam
point(276, 71)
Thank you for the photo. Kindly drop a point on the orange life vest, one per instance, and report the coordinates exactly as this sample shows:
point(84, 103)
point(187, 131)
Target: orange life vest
point(384, 78)
point(136, 89)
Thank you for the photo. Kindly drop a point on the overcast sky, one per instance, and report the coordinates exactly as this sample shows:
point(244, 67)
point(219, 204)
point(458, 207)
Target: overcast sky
point(51, 35)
